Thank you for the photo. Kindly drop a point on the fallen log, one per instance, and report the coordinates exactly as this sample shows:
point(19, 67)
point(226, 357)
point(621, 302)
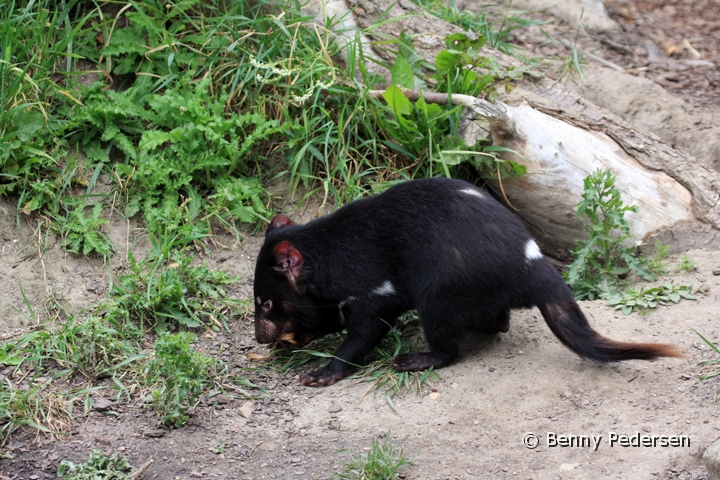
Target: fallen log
point(561, 138)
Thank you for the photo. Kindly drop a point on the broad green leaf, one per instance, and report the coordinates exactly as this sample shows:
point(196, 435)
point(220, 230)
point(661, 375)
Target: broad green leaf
point(401, 107)
point(446, 62)
point(402, 73)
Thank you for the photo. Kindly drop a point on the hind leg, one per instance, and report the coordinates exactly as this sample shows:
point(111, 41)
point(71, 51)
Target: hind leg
point(442, 333)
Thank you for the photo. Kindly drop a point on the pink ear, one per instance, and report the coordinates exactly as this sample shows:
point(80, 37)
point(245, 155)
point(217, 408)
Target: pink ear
point(289, 261)
point(280, 221)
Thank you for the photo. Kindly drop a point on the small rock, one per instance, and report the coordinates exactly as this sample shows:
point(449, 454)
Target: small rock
point(247, 409)
point(154, 432)
point(711, 457)
point(94, 287)
point(102, 404)
point(223, 399)
point(335, 408)
point(102, 439)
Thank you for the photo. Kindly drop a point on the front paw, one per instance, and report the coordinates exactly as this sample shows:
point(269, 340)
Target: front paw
point(321, 378)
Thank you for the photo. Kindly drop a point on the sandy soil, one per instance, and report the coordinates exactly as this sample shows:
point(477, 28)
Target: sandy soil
point(472, 421)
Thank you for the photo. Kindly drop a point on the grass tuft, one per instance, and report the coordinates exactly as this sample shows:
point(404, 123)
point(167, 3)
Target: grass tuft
point(382, 461)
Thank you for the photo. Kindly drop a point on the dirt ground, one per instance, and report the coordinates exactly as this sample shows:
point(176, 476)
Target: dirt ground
point(472, 421)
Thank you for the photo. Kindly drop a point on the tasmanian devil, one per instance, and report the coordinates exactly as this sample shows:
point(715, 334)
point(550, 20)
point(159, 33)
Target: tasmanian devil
point(443, 247)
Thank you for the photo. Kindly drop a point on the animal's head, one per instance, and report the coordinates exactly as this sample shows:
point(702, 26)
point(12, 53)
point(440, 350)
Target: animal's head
point(283, 310)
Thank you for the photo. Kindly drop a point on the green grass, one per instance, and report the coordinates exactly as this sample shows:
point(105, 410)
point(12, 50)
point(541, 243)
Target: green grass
point(164, 291)
point(713, 364)
point(493, 24)
point(377, 370)
point(382, 461)
point(196, 107)
point(41, 406)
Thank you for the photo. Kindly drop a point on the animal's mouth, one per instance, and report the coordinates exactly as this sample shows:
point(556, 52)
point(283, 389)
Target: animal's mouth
point(293, 339)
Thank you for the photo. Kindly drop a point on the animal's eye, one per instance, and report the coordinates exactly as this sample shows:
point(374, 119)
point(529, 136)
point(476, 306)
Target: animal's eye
point(267, 305)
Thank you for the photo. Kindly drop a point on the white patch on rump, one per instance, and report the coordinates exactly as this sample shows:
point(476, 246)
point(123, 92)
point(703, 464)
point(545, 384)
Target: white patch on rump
point(472, 191)
point(386, 288)
point(532, 251)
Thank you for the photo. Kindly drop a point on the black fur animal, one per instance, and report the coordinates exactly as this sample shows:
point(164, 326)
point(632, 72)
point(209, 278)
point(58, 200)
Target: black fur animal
point(441, 246)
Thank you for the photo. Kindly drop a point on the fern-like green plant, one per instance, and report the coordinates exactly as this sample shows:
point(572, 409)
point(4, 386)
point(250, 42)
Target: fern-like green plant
point(81, 234)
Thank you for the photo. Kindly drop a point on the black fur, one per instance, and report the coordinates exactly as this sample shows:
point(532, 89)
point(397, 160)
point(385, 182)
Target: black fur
point(447, 249)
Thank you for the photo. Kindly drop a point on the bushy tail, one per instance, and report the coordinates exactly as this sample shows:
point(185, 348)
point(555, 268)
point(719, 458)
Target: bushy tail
point(568, 323)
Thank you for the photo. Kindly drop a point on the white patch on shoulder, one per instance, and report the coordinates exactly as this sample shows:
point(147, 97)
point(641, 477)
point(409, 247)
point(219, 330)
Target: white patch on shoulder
point(532, 251)
point(472, 191)
point(386, 288)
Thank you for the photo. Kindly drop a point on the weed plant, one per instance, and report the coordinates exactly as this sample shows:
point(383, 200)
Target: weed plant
point(646, 297)
point(168, 292)
point(98, 466)
point(182, 375)
point(687, 264)
point(603, 262)
point(82, 234)
point(429, 132)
